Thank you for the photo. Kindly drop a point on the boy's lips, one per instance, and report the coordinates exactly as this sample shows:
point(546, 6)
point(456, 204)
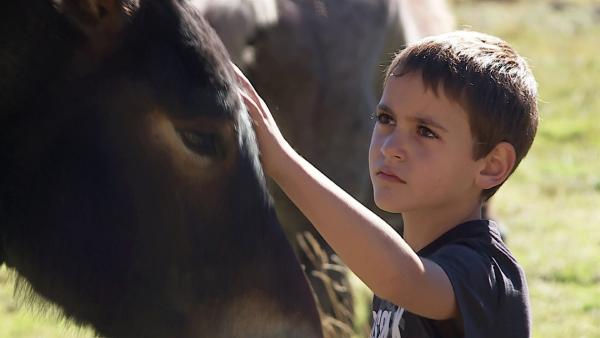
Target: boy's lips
point(388, 175)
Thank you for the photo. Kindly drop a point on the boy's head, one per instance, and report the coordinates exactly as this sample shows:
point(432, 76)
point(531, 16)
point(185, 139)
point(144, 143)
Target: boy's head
point(487, 78)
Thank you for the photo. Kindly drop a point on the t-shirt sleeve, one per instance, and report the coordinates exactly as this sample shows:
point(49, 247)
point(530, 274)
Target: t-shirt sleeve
point(478, 286)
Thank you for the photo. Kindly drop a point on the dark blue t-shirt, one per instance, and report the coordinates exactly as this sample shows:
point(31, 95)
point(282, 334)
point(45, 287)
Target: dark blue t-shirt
point(489, 286)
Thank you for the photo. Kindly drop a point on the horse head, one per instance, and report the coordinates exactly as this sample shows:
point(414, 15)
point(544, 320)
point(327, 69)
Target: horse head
point(132, 194)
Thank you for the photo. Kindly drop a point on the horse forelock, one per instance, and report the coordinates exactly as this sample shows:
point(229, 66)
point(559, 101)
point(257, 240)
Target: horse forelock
point(202, 43)
point(174, 48)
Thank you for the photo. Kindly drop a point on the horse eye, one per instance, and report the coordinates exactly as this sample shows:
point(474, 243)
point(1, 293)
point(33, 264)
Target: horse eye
point(205, 144)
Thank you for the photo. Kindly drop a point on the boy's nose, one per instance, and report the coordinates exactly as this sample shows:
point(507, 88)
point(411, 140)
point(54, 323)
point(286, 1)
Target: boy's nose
point(393, 147)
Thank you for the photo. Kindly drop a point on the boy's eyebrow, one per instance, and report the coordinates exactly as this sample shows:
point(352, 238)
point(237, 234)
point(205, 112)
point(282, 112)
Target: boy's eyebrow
point(419, 119)
point(428, 122)
point(382, 107)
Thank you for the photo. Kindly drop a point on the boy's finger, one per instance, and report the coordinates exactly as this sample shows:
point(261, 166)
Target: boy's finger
point(248, 101)
point(252, 106)
point(250, 95)
point(244, 82)
point(240, 77)
point(236, 70)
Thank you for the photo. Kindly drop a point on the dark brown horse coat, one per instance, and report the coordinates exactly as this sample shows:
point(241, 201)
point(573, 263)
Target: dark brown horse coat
point(131, 194)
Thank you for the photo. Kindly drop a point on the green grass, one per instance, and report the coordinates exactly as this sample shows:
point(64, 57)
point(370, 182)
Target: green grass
point(550, 205)
point(23, 321)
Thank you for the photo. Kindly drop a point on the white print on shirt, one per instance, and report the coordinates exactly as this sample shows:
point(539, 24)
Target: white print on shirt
point(381, 323)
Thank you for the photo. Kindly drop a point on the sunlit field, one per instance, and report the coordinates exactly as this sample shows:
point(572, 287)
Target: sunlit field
point(550, 206)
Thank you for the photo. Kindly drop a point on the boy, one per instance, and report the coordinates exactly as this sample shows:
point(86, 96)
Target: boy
point(457, 115)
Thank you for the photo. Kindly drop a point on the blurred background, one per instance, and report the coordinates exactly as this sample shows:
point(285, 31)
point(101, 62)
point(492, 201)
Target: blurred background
point(549, 207)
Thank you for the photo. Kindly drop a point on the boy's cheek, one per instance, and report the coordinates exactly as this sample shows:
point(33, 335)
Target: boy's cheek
point(373, 160)
point(374, 146)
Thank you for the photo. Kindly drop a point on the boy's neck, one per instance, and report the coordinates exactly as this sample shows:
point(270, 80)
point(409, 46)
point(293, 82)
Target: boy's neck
point(422, 227)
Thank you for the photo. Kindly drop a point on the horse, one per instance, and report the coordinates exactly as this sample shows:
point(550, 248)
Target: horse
point(319, 65)
point(131, 194)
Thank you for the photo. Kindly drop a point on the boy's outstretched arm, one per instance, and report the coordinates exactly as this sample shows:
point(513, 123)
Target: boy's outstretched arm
point(366, 243)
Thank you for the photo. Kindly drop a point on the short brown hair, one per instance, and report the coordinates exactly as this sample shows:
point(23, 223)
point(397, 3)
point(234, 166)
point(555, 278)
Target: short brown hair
point(487, 78)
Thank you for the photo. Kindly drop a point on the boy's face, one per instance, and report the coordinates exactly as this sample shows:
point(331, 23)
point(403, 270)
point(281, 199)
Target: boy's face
point(421, 154)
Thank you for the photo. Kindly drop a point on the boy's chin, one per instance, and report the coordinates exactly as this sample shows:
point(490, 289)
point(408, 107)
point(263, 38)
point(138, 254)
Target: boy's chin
point(388, 206)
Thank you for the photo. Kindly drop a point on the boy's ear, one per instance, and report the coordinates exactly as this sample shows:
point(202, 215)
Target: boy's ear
point(496, 166)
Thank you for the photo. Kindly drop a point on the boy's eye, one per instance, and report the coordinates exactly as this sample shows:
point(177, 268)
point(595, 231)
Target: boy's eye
point(426, 132)
point(383, 118)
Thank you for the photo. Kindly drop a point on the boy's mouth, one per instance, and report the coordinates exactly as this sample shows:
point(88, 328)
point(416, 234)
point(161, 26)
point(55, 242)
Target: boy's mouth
point(389, 176)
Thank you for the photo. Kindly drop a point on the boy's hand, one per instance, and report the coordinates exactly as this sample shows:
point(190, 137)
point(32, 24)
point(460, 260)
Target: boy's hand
point(347, 225)
point(271, 143)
